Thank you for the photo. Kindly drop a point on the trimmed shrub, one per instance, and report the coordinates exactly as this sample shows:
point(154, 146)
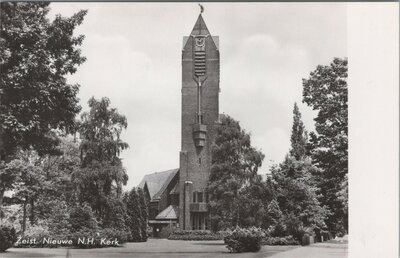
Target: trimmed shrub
point(195, 235)
point(7, 237)
point(244, 240)
point(287, 240)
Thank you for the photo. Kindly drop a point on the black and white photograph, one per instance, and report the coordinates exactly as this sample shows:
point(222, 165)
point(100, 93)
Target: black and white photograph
point(195, 129)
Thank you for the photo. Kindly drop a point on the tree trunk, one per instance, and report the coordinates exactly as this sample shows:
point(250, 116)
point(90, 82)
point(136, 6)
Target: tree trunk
point(24, 216)
point(32, 215)
point(1, 203)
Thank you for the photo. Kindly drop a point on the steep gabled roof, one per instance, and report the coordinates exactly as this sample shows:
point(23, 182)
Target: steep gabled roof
point(157, 182)
point(168, 213)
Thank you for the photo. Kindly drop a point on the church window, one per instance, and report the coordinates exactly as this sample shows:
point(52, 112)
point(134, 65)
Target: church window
point(200, 196)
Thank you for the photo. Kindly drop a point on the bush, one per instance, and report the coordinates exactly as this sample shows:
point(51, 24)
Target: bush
point(195, 235)
point(244, 240)
point(82, 217)
point(287, 240)
point(7, 237)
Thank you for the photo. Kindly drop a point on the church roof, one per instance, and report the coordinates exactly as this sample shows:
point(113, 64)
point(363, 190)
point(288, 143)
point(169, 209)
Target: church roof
point(168, 213)
point(157, 182)
point(175, 190)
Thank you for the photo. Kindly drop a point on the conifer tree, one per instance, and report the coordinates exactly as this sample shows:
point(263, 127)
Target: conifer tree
point(144, 214)
point(298, 138)
point(134, 219)
point(298, 208)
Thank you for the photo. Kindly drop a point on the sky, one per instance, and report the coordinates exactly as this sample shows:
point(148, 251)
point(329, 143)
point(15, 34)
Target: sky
point(133, 55)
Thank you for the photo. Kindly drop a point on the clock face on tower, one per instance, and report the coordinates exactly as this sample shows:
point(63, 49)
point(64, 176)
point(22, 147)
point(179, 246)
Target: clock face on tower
point(199, 43)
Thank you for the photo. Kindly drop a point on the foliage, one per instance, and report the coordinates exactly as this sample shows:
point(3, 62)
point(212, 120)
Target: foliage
point(254, 200)
point(72, 223)
point(195, 235)
point(36, 56)
point(143, 214)
point(82, 217)
point(326, 91)
point(234, 168)
point(244, 240)
point(7, 237)
point(102, 175)
point(64, 185)
point(298, 139)
point(114, 214)
point(297, 198)
point(29, 181)
point(273, 214)
point(287, 240)
point(100, 130)
point(134, 217)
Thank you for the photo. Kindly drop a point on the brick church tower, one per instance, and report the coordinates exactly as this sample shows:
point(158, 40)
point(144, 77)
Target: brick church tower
point(200, 94)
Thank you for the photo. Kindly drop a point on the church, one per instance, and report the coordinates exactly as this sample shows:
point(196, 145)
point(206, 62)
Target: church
point(178, 197)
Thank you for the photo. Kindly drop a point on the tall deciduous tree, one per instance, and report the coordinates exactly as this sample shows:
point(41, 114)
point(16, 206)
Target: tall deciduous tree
point(234, 168)
point(101, 175)
point(326, 91)
point(35, 56)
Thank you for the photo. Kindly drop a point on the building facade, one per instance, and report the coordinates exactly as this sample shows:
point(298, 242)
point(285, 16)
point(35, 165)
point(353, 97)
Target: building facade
point(184, 189)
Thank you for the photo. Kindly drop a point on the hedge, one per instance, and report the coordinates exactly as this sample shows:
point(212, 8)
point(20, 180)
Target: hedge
point(191, 235)
point(287, 240)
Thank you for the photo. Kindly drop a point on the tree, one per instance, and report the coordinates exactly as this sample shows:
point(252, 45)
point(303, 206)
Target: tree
point(36, 56)
point(29, 182)
point(326, 91)
point(297, 198)
point(134, 221)
point(234, 168)
point(144, 214)
point(8, 179)
point(298, 138)
point(101, 175)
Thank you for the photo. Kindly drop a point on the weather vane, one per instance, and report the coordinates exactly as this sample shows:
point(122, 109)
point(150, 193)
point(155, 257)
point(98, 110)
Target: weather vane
point(201, 8)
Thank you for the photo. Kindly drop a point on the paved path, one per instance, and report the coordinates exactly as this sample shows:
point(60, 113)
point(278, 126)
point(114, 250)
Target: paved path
point(329, 249)
point(161, 248)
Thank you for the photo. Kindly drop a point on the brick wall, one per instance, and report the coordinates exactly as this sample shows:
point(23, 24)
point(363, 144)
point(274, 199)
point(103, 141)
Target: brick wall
point(195, 162)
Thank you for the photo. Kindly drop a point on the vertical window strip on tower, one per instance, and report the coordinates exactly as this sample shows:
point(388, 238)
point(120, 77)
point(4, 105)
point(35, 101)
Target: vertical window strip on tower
point(200, 63)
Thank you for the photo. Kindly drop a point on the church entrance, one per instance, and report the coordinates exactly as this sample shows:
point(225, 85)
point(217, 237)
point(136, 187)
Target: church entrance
point(200, 221)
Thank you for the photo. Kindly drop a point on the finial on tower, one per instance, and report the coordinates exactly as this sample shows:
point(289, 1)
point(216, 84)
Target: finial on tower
point(201, 8)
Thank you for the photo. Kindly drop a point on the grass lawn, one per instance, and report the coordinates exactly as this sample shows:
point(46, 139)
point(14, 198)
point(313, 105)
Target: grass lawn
point(157, 248)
